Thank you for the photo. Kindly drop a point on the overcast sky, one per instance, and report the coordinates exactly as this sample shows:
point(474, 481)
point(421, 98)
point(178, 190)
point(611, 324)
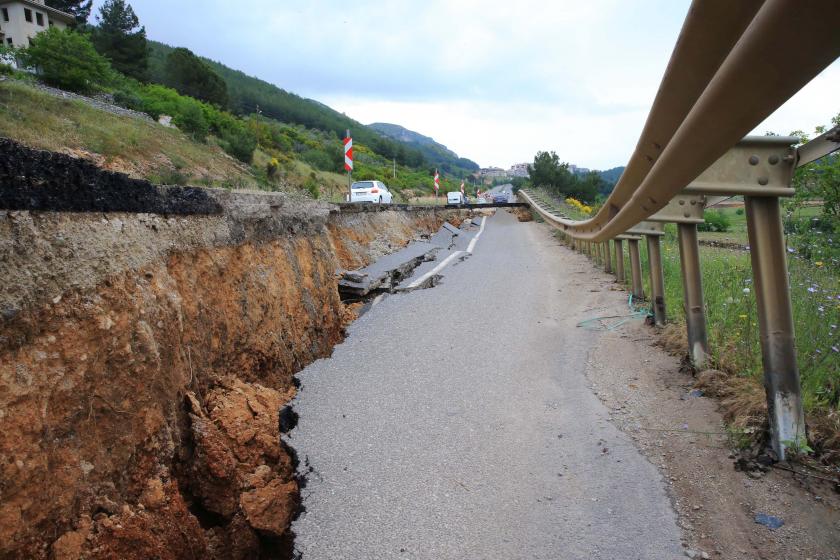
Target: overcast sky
point(494, 81)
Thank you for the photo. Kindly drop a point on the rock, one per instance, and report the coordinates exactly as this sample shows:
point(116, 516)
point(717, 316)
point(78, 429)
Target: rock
point(153, 496)
point(270, 509)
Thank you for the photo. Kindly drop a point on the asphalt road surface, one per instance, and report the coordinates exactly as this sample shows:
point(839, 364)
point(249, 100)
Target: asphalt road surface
point(456, 422)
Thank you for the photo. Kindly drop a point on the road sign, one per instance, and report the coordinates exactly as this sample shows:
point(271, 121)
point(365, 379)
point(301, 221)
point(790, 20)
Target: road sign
point(348, 154)
point(462, 187)
point(437, 181)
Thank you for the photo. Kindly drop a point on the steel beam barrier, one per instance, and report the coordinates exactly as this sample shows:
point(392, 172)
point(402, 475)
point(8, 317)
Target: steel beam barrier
point(619, 260)
point(636, 269)
point(608, 260)
point(657, 279)
point(775, 320)
point(695, 315)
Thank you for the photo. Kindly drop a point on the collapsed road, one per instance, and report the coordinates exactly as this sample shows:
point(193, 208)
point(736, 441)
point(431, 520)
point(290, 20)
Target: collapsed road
point(456, 422)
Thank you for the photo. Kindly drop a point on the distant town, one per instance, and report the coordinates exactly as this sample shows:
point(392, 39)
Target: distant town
point(518, 170)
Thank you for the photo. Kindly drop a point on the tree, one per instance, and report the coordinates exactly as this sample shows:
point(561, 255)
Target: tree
point(189, 75)
point(67, 60)
point(79, 8)
point(547, 171)
point(120, 38)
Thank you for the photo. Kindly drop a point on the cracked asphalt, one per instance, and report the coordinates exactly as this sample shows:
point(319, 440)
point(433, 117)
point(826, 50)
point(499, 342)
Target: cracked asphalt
point(457, 422)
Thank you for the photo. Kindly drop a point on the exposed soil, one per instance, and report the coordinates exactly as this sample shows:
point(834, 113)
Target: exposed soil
point(685, 436)
point(145, 368)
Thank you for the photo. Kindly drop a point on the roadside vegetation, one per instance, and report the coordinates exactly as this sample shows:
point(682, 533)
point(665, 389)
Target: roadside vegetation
point(812, 226)
point(281, 140)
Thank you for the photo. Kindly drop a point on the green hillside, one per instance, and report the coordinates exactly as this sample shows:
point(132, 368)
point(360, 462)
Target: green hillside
point(249, 95)
point(448, 161)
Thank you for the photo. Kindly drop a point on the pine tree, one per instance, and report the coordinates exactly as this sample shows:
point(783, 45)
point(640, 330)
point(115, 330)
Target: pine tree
point(79, 8)
point(120, 38)
point(189, 75)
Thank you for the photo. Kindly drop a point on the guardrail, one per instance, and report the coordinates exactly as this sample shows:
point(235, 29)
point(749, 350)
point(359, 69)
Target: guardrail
point(729, 70)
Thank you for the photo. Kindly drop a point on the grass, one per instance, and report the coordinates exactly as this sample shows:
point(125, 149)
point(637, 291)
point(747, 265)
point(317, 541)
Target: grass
point(143, 149)
point(139, 148)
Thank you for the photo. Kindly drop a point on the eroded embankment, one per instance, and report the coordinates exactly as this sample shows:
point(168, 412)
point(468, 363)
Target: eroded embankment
point(144, 363)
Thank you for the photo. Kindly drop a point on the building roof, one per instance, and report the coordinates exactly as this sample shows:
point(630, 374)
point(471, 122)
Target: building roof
point(52, 12)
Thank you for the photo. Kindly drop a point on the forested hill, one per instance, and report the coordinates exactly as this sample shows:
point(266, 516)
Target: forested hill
point(431, 150)
point(247, 94)
point(612, 176)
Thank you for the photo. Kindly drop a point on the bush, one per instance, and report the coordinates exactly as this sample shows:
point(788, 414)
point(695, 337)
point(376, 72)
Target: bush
point(715, 220)
point(190, 119)
point(739, 212)
point(240, 143)
point(318, 159)
point(67, 60)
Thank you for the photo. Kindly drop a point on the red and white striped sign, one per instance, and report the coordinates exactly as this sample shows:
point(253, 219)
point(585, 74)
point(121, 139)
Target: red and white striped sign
point(462, 187)
point(348, 154)
point(437, 181)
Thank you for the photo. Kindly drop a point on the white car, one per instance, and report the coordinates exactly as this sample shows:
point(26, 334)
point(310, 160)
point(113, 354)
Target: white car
point(455, 198)
point(370, 191)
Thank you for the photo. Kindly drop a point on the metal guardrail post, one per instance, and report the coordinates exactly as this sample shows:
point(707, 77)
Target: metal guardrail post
point(607, 257)
point(619, 260)
point(695, 314)
point(657, 279)
point(775, 320)
point(636, 268)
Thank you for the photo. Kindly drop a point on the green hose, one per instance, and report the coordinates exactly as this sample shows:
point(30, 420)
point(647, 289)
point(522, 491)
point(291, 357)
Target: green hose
point(597, 323)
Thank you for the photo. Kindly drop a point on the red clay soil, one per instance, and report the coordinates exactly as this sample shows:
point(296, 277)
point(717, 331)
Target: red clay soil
point(140, 418)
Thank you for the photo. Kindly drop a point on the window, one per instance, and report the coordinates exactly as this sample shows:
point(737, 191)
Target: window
point(50, 22)
point(27, 14)
point(5, 14)
point(10, 42)
point(39, 17)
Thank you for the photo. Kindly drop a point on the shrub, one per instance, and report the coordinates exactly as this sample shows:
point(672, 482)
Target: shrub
point(318, 159)
point(739, 212)
point(239, 142)
point(191, 120)
point(67, 60)
point(715, 220)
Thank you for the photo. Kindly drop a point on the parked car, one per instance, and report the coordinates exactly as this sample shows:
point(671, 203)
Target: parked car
point(501, 198)
point(370, 191)
point(455, 197)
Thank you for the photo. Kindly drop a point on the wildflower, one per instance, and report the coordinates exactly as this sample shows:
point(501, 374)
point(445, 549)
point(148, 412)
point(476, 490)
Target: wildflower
point(820, 308)
point(746, 290)
point(791, 250)
point(819, 263)
point(835, 349)
point(812, 289)
point(742, 316)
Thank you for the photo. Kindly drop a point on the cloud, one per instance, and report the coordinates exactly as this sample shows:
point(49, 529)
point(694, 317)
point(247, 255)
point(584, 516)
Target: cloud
point(496, 81)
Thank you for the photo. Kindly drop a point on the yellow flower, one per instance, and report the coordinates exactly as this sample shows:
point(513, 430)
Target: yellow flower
point(742, 316)
point(819, 263)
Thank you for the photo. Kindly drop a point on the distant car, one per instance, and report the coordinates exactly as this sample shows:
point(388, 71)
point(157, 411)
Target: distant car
point(500, 198)
point(370, 191)
point(456, 197)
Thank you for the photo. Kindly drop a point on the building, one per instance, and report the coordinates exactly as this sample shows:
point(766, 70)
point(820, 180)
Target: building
point(518, 170)
point(21, 20)
point(578, 170)
point(493, 172)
